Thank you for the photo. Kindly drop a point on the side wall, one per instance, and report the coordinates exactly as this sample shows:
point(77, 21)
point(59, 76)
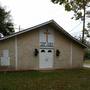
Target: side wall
point(63, 45)
point(77, 55)
point(9, 45)
point(21, 50)
point(27, 43)
point(71, 54)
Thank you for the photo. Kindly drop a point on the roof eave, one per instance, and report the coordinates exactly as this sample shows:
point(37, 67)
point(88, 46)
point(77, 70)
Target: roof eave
point(51, 22)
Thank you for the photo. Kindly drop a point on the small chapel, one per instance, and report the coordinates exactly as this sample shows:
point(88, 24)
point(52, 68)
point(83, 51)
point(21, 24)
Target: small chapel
point(46, 46)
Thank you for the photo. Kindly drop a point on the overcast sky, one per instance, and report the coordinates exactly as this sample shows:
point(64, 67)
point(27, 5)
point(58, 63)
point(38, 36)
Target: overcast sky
point(28, 13)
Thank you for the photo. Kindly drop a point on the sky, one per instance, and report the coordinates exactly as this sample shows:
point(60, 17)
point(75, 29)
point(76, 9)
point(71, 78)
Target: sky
point(28, 13)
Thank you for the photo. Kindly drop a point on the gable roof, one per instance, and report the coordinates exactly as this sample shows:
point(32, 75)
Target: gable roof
point(52, 23)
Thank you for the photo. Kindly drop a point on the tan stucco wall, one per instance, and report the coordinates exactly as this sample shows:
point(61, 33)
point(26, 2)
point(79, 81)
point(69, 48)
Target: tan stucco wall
point(63, 45)
point(26, 43)
point(77, 55)
point(8, 44)
point(71, 55)
point(30, 41)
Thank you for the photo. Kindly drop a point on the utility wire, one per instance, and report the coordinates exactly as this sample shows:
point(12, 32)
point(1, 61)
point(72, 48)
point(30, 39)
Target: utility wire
point(75, 26)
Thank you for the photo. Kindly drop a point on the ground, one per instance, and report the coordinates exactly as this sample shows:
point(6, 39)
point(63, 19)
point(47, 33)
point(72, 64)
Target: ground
point(76, 79)
point(86, 63)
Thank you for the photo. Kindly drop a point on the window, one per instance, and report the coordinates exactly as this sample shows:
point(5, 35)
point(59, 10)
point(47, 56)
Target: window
point(5, 59)
point(42, 50)
point(49, 51)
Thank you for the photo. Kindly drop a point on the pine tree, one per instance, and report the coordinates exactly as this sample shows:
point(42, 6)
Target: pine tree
point(6, 25)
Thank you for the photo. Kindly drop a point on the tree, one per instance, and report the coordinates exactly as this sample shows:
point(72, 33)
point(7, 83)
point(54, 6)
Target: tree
point(6, 25)
point(88, 30)
point(88, 25)
point(78, 7)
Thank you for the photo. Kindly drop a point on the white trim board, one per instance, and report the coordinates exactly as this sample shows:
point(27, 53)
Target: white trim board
point(16, 52)
point(71, 54)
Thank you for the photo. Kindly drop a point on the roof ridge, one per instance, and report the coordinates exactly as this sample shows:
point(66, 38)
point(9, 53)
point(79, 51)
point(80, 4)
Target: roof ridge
point(53, 23)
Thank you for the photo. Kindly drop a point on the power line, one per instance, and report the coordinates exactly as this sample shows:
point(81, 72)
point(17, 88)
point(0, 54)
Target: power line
point(75, 26)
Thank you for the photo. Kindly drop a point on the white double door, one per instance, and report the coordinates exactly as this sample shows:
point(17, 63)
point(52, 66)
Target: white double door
point(46, 58)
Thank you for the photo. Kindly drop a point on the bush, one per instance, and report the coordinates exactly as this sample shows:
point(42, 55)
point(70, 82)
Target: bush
point(87, 54)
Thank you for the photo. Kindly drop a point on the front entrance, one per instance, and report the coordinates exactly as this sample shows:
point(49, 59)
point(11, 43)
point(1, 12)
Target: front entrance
point(46, 58)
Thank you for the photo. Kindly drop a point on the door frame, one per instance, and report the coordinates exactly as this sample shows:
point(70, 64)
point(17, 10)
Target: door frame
point(52, 60)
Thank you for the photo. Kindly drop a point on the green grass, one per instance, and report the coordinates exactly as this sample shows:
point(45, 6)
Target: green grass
point(87, 62)
point(77, 79)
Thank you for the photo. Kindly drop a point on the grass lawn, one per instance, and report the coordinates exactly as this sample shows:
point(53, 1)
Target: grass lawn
point(77, 79)
point(87, 62)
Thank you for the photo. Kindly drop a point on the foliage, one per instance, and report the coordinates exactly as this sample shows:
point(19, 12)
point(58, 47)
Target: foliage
point(76, 79)
point(6, 25)
point(74, 5)
point(88, 13)
point(88, 30)
point(88, 25)
point(87, 62)
point(87, 54)
point(79, 8)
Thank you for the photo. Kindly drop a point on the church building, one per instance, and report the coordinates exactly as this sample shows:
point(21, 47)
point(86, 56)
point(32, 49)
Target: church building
point(43, 47)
